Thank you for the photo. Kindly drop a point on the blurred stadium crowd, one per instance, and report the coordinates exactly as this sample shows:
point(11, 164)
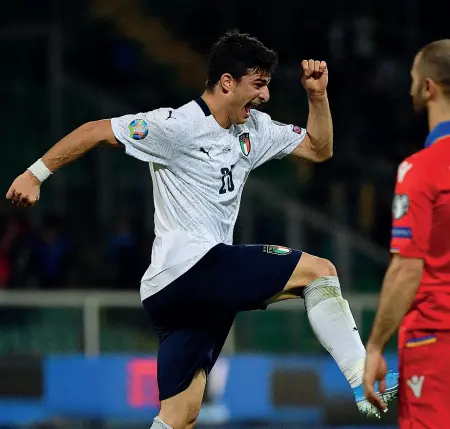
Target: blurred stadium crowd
point(48, 255)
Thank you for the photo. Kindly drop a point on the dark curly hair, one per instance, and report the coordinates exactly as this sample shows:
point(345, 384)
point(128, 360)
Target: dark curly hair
point(238, 53)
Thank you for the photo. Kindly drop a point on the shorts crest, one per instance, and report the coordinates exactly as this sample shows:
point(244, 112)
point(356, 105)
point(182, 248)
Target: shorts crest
point(277, 250)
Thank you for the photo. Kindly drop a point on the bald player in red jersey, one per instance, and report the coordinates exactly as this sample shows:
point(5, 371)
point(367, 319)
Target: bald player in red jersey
point(416, 288)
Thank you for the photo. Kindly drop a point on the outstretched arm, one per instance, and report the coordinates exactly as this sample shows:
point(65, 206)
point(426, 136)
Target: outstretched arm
point(25, 189)
point(79, 142)
point(317, 146)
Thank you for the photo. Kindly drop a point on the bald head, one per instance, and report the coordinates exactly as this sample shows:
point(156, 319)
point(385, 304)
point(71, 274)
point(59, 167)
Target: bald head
point(431, 75)
point(433, 63)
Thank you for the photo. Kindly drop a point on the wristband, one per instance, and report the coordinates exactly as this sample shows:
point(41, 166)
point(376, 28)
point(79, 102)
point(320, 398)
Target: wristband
point(40, 170)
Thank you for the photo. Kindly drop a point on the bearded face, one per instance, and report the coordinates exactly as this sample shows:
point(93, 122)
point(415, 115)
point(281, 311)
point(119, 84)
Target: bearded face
point(418, 97)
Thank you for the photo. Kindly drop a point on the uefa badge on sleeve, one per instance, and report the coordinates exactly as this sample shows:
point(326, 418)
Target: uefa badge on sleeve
point(400, 206)
point(138, 129)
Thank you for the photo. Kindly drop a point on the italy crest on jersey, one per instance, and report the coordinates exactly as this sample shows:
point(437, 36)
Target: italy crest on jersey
point(138, 129)
point(244, 141)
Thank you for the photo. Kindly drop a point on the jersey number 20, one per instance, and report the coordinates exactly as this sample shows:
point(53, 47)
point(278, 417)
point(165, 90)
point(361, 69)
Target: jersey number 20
point(227, 180)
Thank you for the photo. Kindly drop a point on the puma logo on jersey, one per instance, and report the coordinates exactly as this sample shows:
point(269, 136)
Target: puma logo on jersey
point(416, 384)
point(206, 152)
point(170, 115)
point(403, 169)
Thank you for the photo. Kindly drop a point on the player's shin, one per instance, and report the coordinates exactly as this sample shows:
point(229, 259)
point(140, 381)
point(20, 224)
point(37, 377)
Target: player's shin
point(334, 326)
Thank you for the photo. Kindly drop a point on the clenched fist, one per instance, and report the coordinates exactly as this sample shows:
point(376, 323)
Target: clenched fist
point(25, 190)
point(315, 76)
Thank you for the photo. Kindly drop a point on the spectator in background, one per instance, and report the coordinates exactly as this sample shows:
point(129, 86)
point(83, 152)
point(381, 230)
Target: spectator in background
point(124, 255)
point(18, 251)
point(53, 253)
point(5, 271)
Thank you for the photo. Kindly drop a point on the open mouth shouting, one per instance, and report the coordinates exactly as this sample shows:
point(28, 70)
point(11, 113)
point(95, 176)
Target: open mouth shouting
point(248, 107)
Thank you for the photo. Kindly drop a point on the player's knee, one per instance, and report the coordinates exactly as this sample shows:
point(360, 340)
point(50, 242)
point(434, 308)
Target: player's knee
point(325, 268)
point(309, 269)
point(315, 268)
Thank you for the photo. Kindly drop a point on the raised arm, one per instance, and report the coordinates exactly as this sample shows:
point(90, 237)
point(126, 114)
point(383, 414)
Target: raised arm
point(317, 145)
point(25, 189)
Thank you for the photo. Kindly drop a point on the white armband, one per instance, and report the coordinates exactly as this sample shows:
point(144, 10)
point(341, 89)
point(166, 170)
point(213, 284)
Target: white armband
point(40, 170)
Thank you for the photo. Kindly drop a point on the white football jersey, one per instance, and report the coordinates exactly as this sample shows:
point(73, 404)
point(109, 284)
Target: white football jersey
point(199, 170)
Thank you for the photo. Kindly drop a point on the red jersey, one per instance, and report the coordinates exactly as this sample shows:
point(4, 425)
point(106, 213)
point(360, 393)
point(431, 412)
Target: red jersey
point(421, 228)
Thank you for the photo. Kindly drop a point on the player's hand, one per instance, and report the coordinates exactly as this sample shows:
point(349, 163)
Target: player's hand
point(315, 77)
point(375, 370)
point(25, 190)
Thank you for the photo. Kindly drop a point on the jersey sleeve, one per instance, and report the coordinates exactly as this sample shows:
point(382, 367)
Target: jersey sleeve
point(275, 139)
point(149, 137)
point(411, 211)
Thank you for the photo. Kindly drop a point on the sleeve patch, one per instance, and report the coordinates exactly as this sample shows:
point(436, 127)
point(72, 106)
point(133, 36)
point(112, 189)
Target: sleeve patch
point(138, 129)
point(401, 232)
point(400, 206)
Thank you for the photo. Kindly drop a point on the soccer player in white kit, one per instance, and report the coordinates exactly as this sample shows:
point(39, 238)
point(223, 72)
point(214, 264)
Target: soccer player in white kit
point(200, 156)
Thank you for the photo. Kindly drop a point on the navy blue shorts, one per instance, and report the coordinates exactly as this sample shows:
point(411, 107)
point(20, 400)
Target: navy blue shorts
point(193, 315)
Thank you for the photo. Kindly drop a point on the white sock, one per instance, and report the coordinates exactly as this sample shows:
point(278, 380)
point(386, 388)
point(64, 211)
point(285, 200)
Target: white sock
point(333, 324)
point(159, 424)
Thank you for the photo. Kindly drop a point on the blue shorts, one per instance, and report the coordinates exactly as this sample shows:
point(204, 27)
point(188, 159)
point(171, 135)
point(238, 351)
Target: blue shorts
point(193, 315)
